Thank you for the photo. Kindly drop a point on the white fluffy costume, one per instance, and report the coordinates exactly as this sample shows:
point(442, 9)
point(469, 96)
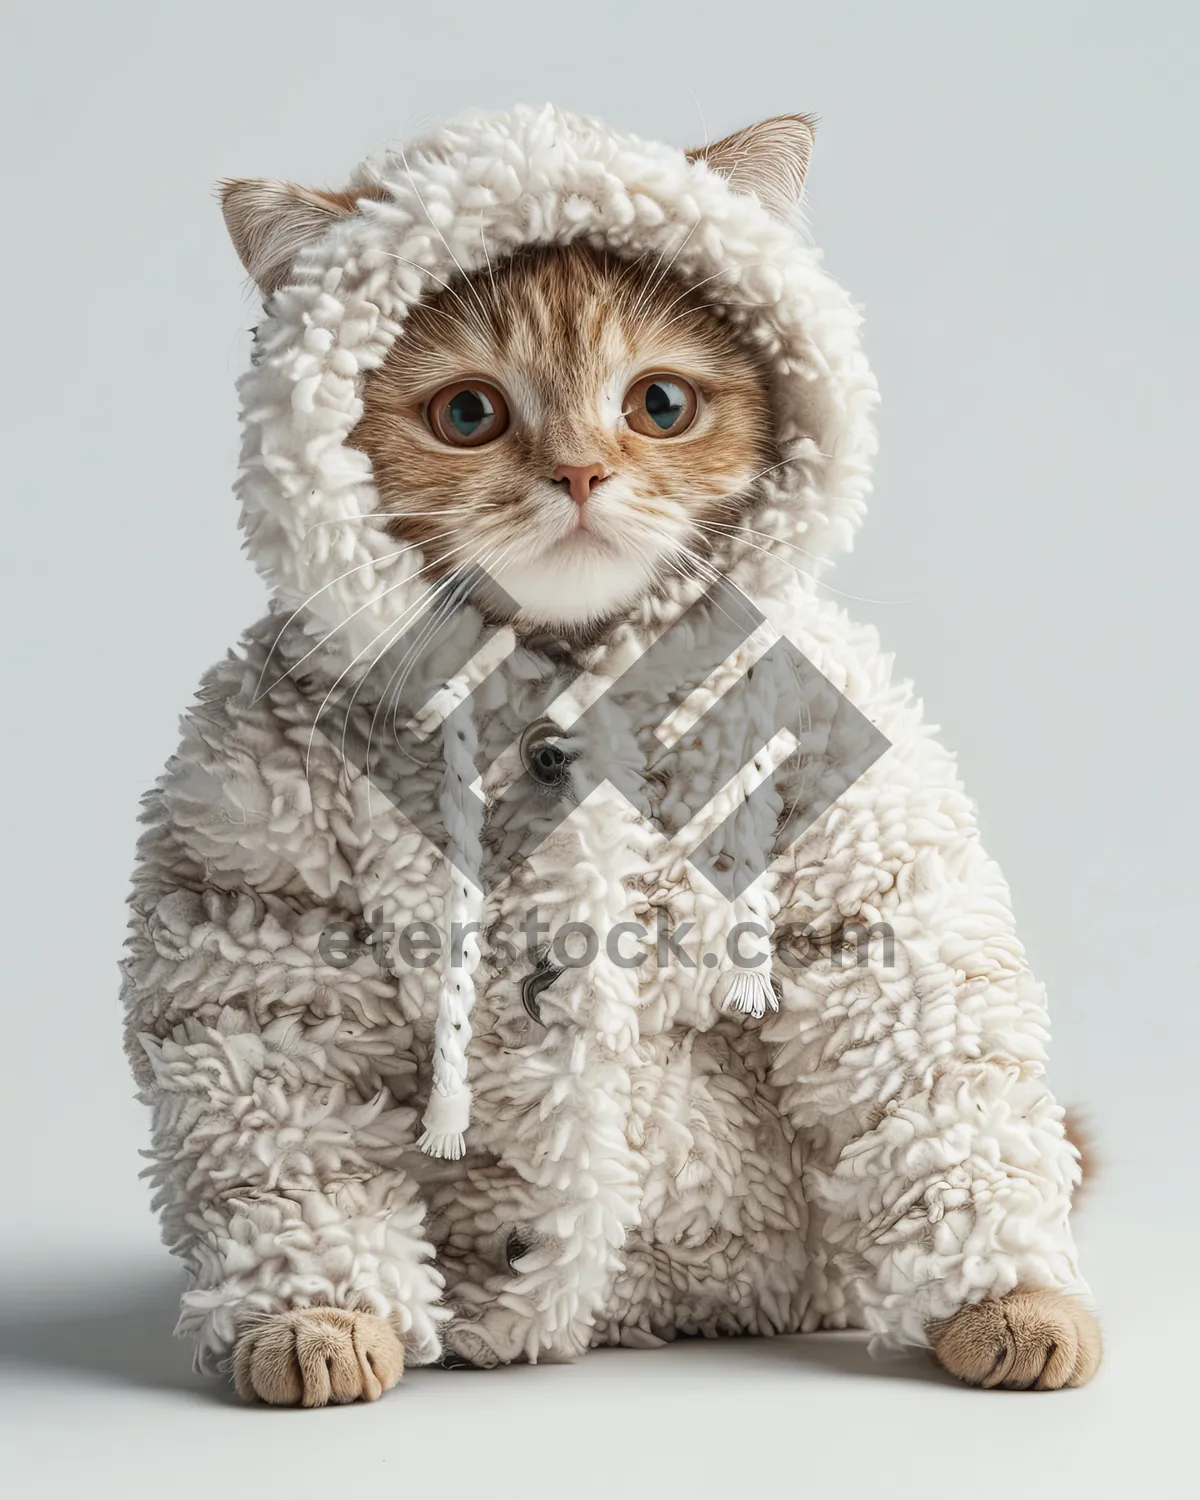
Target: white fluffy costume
point(647, 1150)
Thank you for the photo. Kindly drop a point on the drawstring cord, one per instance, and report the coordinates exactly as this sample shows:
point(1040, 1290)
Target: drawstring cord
point(448, 1111)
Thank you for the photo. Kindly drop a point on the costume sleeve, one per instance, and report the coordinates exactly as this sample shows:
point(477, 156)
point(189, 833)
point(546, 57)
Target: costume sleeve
point(268, 1047)
point(911, 1049)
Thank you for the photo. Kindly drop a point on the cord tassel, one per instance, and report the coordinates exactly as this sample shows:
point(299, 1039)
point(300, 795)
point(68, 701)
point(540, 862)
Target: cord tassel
point(751, 994)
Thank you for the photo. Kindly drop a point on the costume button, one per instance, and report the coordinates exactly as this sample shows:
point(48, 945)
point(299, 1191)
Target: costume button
point(514, 1248)
point(545, 761)
point(533, 985)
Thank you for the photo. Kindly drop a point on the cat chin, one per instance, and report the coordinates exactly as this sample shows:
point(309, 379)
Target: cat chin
point(574, 592)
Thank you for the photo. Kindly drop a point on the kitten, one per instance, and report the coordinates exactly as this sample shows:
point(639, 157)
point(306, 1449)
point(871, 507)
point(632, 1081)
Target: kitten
point(581, 427)
point(586, 430)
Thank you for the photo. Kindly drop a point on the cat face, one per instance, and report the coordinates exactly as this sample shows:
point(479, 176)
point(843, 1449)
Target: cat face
point(579, 427)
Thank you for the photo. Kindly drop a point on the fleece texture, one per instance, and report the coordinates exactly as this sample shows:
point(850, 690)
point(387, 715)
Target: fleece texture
point(649, 1150)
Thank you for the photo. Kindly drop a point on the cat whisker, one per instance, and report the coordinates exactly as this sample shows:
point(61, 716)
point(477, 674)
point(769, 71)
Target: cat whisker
point(741, 492)
point(793, 458)
point(431, 627)
point(404, 667)
point(388, 515)
point(444, 587)
point(449, 249)
point(339, 626)
point(735, 529)
point(397, 624)
point(487, 259)
point(700, 112)
point(696, 285)
point(704, 572)
point(296, 613)
point(767, 552)
point(802, 572)
point(471, 315)
point(392, 626)
point(422, 515)
point(344, 672)
point(689, 312)
point(637, 313)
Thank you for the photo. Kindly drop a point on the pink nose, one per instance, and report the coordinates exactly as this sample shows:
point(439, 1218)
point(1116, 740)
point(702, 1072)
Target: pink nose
point(580, 479)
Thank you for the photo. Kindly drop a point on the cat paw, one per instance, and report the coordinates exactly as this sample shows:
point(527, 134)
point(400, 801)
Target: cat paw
point(1033, 1339)
point(316, 1356)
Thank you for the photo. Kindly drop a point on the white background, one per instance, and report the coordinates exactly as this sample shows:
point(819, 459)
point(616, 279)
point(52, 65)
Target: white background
point(1011, 191)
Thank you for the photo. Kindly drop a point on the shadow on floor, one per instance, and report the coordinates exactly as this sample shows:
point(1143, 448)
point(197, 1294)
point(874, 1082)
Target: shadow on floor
point(846, 1354)
point(120, 1331)
point(835, 1354)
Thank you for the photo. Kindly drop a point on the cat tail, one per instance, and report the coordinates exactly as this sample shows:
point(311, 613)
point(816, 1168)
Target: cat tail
point(1079, 1132)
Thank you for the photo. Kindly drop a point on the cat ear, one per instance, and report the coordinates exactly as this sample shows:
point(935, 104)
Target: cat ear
point(271, 222)
point(769, 159)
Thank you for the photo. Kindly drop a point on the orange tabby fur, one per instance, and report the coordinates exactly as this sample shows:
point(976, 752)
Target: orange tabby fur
point(1034, 1339)
point(563, 333)
point(316, 1356)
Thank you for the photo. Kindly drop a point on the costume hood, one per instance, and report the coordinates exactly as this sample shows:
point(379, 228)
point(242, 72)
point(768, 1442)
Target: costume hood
point(473, 193)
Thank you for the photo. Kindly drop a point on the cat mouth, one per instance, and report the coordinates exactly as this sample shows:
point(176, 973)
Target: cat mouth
point(581, 541)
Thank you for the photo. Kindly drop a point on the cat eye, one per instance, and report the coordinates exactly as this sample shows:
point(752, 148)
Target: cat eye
point(660, 406)
point(468, 413)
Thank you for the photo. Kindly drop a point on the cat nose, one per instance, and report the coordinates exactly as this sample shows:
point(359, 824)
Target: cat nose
point(580, 479)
